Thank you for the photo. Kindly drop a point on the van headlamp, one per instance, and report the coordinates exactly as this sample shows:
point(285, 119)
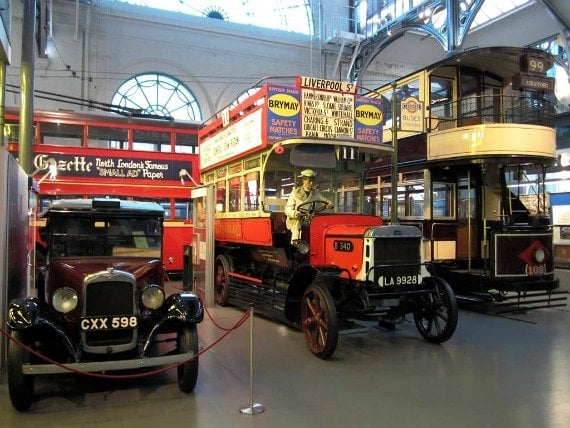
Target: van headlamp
point(64, 300)
point(152, 296)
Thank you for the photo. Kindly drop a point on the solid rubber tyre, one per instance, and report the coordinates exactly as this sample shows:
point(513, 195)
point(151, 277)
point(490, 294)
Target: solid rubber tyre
point(319, 321)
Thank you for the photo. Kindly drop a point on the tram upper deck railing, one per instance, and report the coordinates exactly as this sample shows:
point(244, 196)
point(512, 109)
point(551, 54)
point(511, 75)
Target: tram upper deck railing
point(486, 109)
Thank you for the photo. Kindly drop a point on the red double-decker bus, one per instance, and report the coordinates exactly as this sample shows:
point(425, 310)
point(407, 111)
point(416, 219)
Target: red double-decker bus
point(79, 154)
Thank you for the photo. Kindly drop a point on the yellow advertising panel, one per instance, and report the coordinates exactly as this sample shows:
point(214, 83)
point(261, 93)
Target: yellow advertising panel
point(411, 115)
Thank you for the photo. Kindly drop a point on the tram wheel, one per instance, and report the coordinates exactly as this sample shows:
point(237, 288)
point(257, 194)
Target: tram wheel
point(222, 280)
point(437, 319)
point(319, 321)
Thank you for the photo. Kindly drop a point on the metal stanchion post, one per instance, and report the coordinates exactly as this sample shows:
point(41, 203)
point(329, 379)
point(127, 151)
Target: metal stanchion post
point(253, 408)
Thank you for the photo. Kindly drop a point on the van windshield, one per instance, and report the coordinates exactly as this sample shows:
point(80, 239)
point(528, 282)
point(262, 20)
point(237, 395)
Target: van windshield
point(91, 236)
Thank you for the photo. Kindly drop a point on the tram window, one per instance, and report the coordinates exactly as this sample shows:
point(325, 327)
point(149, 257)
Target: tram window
point(490, 108)
point(466, 201)
point(442, 107)
point(386, 201)
point(235, 194)
point(252, 191)
point(107, 138)
point(443, 200)
point(466, 206)
point(151, 141)
point(61, 134)
point(403, 91)
point(413, 200)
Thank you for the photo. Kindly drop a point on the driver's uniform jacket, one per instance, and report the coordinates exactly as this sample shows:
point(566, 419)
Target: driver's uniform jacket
point(297, 197)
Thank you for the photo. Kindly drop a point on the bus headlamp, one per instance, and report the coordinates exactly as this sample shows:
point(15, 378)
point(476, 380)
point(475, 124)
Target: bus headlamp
point(152, 297)
point(539, 255)
point(64, 300)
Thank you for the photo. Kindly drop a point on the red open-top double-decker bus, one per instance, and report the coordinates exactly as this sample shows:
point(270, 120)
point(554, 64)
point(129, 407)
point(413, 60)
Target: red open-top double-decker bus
point(337, 266)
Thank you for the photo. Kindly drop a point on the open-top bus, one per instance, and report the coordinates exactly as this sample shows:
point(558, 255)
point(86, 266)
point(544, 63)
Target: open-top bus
point(346, 267)
point(474, 143)
point(84, 154)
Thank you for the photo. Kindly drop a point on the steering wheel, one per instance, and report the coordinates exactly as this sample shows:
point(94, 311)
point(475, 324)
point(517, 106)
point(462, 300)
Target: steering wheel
point(312, 207)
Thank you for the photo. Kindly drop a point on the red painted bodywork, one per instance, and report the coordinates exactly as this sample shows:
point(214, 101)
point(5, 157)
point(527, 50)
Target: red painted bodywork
point(251, 231)
point(325, 230)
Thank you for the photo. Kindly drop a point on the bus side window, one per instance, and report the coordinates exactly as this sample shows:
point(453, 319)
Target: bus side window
point(183, 210)
point(278, 184)
point(220, 196)
point(252, 191)
point(235, 194)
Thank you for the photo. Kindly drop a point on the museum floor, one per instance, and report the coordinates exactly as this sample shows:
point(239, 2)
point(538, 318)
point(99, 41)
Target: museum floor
point(510, 371)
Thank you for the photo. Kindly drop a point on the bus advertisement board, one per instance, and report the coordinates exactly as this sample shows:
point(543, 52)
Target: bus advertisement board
point(294, 112)
point(291, 112)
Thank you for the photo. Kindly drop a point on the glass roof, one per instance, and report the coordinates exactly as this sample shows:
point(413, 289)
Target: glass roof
point(295, 15)
point(287, 15)
point(492, 10)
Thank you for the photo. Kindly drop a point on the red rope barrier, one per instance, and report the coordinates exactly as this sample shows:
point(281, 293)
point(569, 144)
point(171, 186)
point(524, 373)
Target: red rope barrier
point(238, 324)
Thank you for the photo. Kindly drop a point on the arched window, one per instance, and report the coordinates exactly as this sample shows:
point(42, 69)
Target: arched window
point(157, 94)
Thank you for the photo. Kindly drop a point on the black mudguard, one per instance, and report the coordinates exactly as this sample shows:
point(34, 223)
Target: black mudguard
point(177, 310)
point(30, 313)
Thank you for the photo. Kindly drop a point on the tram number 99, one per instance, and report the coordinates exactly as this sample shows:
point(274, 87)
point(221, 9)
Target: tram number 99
point(535, 65)
point(385, 281)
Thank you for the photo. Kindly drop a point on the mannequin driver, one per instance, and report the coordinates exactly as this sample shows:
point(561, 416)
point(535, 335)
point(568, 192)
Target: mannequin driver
point(300, 195)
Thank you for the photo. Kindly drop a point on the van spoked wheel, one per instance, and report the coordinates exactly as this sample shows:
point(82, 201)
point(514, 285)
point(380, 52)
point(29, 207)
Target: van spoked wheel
point(319, 321)
point(437, 319)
